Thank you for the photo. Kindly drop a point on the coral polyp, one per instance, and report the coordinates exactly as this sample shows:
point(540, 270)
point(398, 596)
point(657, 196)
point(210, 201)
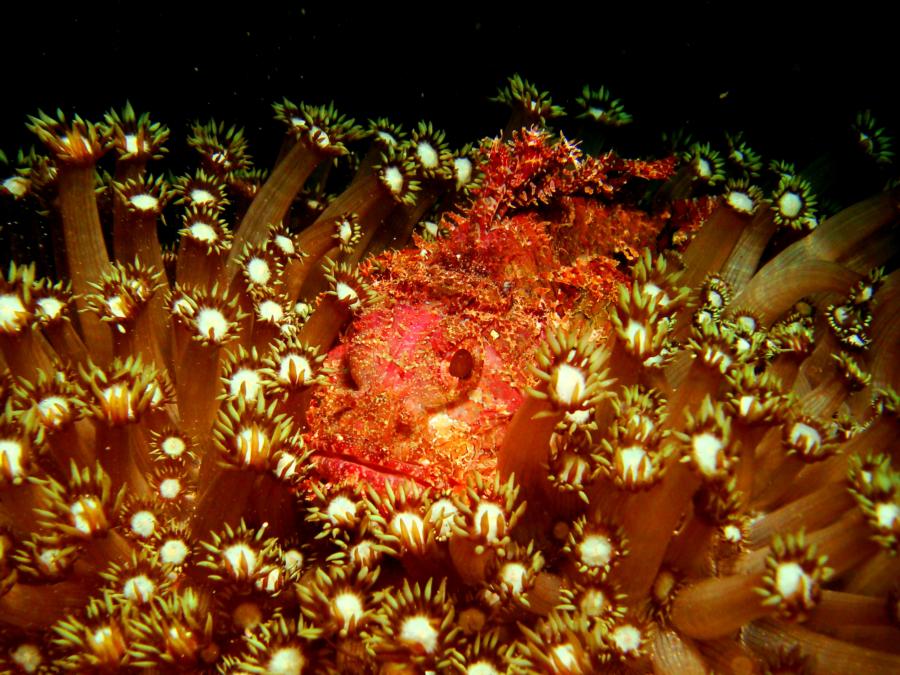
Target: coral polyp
point(518, 407)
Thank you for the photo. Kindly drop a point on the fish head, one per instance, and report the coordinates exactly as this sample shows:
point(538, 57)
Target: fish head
point(416, 392)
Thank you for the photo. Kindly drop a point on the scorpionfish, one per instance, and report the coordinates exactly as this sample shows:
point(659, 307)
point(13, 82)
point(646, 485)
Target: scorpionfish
point(426, 379)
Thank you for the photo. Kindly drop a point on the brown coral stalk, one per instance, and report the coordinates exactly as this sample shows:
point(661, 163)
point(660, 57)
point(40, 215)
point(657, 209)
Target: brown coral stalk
point(650, 537)
point(689, 552)
point(846, 543)
point(876, 576)
point(745, 256)
point(197, 386)
point(370, 201)
point(66, 341)
point(674, 654)
point(809, 266)
point(826, 655)
point(712, 246)
point(273, 200)
point(134, 237)
point(400, 223)
point(838, 608)
point(85, 250)
point(37, 606)
point(223, 500)
point(76, 441)
point(125, 456)
point(716, 607)
point(526, 448)
point(26, 352)
point(885, 348)
point(813, 511)
point(883, 431)
point(321, 329)
point(17, 503)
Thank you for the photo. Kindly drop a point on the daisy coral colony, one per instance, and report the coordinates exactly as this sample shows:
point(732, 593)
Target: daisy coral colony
point(528, 405)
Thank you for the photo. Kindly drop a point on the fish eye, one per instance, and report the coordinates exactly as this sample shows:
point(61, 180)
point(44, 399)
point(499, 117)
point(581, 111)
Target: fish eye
point(461, 364)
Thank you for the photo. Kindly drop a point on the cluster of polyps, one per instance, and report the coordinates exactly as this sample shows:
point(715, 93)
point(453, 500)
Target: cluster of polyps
point(696, 484)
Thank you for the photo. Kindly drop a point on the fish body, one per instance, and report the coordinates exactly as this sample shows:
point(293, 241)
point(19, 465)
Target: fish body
point(425, 381)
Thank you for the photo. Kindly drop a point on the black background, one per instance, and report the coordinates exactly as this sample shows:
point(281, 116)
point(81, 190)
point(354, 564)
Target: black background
point(787, 75)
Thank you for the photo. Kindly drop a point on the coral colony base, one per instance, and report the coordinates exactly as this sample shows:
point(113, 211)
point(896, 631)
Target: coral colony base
point(596, 415)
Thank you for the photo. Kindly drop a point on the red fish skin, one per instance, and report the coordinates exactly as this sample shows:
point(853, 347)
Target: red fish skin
point(394, 403)
point(424, 382)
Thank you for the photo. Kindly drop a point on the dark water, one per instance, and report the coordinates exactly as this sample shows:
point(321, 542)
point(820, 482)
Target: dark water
point(774, 69)
point(790, 81)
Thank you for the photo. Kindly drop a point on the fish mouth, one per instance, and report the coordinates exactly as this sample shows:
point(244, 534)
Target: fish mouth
point(337, 462)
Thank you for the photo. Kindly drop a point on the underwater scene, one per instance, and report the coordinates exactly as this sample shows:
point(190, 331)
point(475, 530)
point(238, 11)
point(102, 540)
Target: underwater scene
point(487, 342)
